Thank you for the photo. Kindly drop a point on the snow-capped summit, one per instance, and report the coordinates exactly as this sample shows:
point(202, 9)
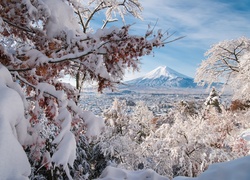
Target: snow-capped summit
point(163, 71)
point(163, 76)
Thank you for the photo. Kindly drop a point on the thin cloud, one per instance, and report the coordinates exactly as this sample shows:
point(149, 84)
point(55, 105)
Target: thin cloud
point(209, 21)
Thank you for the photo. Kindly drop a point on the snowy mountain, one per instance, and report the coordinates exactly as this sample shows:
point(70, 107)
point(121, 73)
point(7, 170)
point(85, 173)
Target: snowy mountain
point(162, 77)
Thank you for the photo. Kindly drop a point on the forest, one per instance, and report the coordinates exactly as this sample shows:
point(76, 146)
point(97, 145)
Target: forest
point(45, 133)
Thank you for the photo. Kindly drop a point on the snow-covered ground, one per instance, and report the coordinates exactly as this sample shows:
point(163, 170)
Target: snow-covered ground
point(233, 170)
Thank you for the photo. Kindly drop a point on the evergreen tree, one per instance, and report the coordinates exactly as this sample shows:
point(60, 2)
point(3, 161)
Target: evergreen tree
point(212, 102)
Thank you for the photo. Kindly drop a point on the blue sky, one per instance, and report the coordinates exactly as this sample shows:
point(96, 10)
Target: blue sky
point(203, 22)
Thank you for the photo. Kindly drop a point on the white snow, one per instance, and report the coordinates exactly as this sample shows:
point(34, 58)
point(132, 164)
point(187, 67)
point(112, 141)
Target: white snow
point(64, 118)
point(163, 71)
point(246, 135)
point(113, 173)
point(36, 57)
point(66, 152)
point(95, 124)
point(231, 170)
point(48, 88)
point(61, 19)
point(14, 163)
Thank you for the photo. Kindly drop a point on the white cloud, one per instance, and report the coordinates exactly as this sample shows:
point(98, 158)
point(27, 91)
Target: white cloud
point(209, 21)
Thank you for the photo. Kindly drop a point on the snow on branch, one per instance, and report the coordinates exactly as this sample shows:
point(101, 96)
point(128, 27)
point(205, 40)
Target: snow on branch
point(222, 60)
point(41, 42)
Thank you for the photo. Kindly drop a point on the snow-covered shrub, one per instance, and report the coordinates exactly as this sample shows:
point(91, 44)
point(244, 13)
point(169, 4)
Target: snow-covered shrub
point(239, 105)
point(191, 143)
point(190, 108)
point(140, 123)
point(125, 132)
point(179, 142)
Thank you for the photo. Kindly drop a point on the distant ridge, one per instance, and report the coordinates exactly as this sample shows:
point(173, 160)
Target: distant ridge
point(163, 77)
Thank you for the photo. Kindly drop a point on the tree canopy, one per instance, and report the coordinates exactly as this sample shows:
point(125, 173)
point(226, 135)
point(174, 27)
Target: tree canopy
point(227, 61)
point(43, 40)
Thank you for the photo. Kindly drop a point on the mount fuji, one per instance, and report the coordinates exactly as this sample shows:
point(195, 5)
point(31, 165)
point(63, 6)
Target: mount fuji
point(163, 77)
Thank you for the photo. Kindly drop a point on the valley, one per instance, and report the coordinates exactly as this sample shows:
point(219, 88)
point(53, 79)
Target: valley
point(159, 102)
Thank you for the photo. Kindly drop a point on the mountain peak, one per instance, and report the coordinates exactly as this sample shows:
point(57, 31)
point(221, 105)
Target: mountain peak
point(162, 77)
point(163, 71)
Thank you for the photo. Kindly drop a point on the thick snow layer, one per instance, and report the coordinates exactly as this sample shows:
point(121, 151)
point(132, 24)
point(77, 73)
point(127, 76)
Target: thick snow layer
point(246, 135)
point(231, 170)
point(112, 173)
point(66, 152)
point(14, 163)
point(7, 80)
point(95, 125)
point(48, 88)
point(61, 19)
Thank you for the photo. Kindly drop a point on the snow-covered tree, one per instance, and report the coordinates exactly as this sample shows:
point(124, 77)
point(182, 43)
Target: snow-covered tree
point(188, 108)
point(126, 130)
point(212, 102)
point(115, 142)
point(226, 61)
point(117, 116)
point(241, 83)
point(191, 143)
point(140, 124)
point(41, 41)
point(222, 60)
